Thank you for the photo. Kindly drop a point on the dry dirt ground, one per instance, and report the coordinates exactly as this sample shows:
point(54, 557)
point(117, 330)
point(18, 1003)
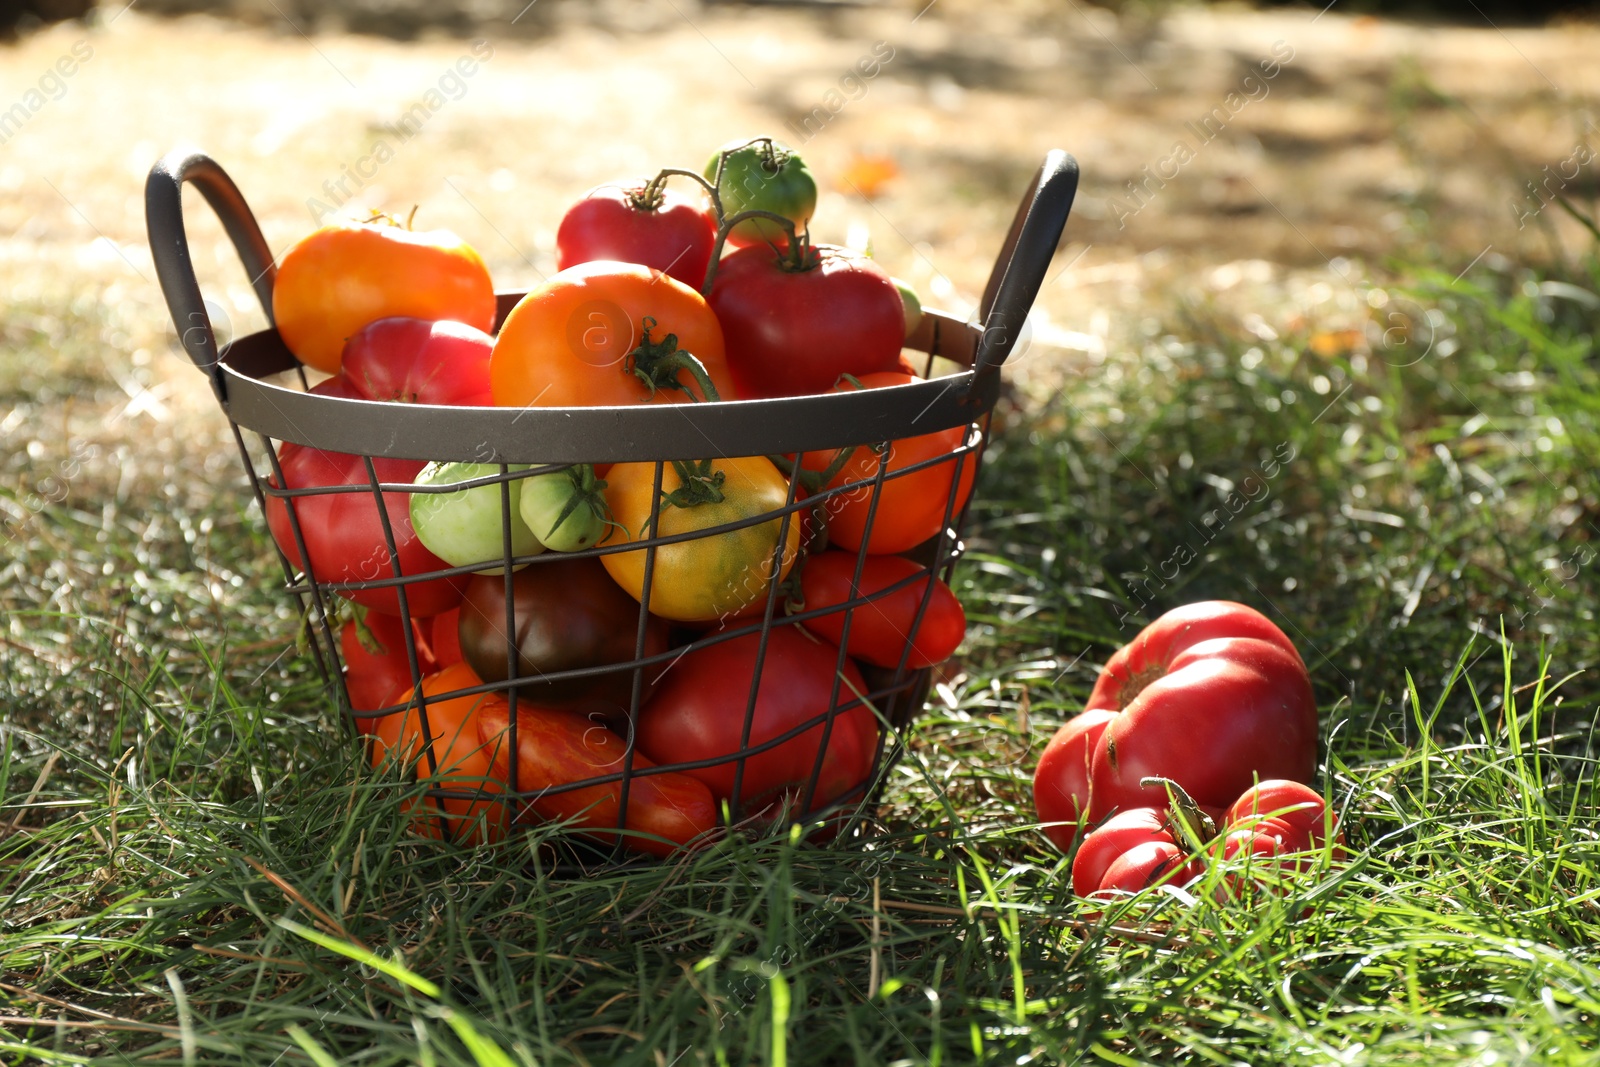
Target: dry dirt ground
point(1265, 147)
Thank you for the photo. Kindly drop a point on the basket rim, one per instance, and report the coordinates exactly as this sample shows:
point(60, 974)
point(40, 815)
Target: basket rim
point(608, 434)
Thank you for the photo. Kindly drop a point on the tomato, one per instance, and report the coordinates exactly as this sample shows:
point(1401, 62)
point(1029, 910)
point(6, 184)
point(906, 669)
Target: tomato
point(763, 175)
point(1291, 811)
point(911, 305)
point(566, 509)
point(468, 525)
point(638, 222)
point(344, 531)
point(347, 274)
point(586, 335)
point(1105, 843)
point(1211, 695)
point(1145, 865)
point(569, 615)
point(556, 748)
point(913, 505)
point(1061, 781)
point(698, 713)
point(708, 578)
point(794, 323)
point(881, 629)
point(377, 670)
point(444, 642)
point(418, 361)
point(461, 760)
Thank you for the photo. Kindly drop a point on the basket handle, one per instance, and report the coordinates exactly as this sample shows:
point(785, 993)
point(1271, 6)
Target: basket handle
point(1020, 268)
point(169, 247)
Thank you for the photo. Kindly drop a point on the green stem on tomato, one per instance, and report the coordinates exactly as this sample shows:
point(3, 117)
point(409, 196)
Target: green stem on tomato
point(797, 262)
point(652, 189)
point(1193, 823)
point(657, 363)
point(814, 480)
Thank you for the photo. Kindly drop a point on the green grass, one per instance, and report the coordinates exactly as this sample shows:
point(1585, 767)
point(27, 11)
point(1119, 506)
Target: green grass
point(195, 869)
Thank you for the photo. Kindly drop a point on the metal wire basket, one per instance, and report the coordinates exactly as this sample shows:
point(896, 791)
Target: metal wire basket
point(551, 439)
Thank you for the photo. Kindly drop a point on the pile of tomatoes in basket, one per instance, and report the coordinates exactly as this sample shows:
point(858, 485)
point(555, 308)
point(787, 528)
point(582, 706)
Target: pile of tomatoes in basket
point(660, 298)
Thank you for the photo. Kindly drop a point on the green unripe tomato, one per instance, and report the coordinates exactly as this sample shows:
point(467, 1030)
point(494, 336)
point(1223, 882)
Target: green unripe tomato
point(466, 526)
point(913, 305)
point(763, 176)
point(564, 508)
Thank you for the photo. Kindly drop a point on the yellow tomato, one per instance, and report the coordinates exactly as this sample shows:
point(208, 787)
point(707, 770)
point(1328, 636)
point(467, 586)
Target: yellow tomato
point(708, 578)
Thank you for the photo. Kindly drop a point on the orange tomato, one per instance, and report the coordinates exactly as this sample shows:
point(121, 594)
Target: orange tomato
point(556, 747)
point(348, 274)
point(576, 340)
point(913, 506)
point(464, 762)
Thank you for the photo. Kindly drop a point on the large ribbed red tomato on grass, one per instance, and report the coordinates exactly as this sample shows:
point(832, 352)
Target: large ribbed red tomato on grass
point(1211, 695)
point(638, 222)
point(795, 321)
point(344, 532)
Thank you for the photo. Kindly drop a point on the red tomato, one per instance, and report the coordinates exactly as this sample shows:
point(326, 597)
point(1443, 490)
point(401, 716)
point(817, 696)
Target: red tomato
point(444, 638)
point(698, 713)
point(452, 757)
point(1145, 865)
point(556, 748)
point(1291, 811)
point(1103, 845)
point(344, 531)
point(418, 361)
point(914, 505)
point(881, 630)
point(793, 329)
point(377, 671)
point(1211, 695)
point(348, 274)
point(1061, 782)
point(632, 223)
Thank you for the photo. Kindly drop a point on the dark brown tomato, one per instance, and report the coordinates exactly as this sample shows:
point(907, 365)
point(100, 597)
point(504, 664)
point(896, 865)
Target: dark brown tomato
point(569, 614)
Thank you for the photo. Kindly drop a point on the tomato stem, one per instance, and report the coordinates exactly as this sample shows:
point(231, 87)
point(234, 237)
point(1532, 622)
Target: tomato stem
point(587, 491)
point(698, 483)
point(364, 635)
point(657, 363)
point(814, 480)
point(649, 197)
point(799, 258)
point(1192, 821)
